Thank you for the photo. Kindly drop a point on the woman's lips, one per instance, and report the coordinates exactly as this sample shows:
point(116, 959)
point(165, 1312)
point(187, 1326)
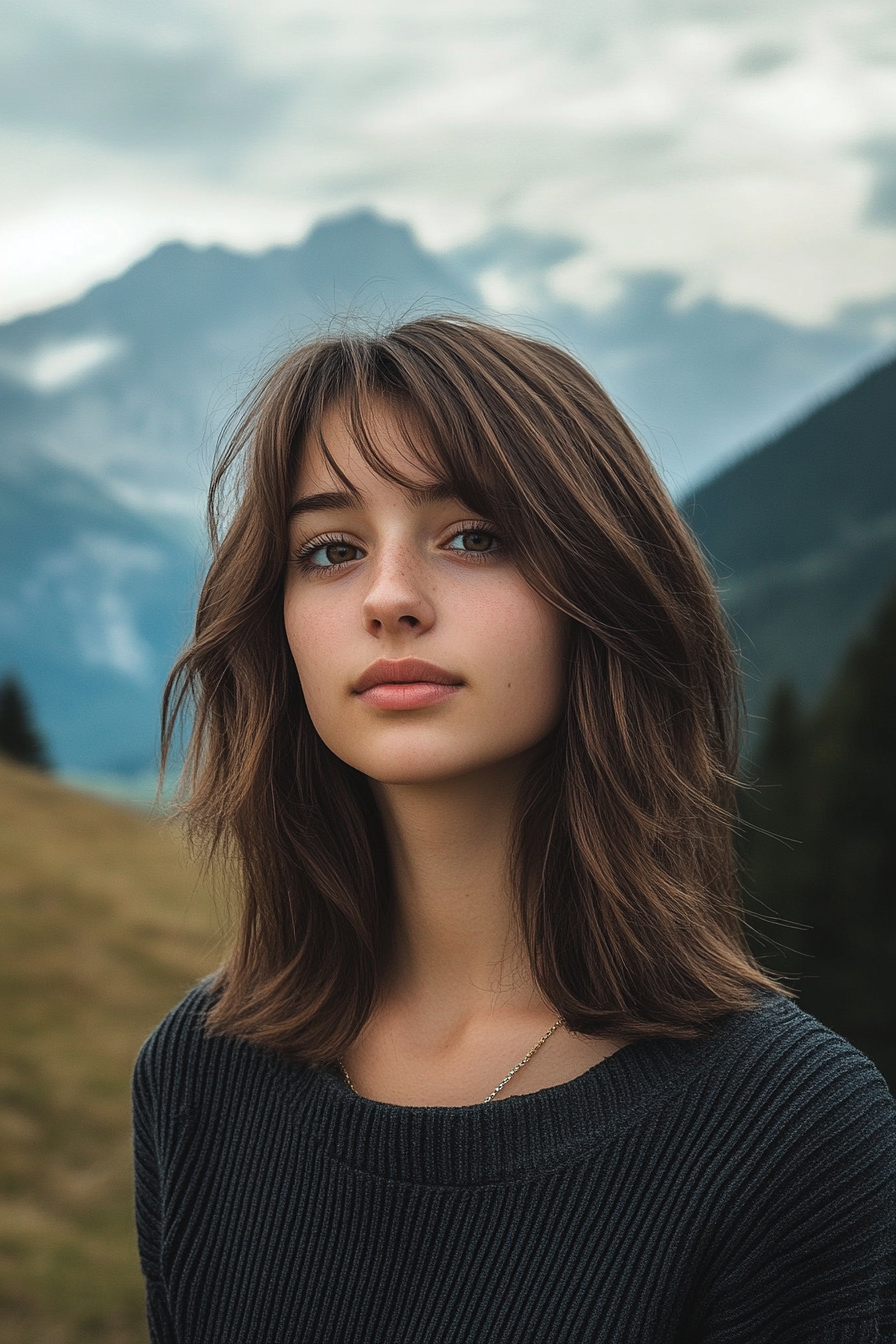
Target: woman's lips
point(407, 694)
point(406, 683)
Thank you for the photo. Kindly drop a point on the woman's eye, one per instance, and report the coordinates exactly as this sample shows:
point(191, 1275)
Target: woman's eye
point(474, 540)
point(332, 553)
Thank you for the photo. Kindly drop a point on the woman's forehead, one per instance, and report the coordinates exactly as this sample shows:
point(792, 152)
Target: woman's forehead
point(381, 446)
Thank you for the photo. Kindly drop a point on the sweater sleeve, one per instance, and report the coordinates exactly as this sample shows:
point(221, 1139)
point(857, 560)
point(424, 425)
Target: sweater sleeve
point(148, 1201)
point(808, 1251)
point(160, 1100)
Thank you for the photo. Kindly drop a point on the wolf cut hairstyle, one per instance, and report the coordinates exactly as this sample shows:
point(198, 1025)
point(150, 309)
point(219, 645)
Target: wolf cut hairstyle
point(622, 851)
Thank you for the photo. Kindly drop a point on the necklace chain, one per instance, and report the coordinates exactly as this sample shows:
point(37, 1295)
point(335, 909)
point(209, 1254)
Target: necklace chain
point(525, 1060)
point(504, 1081)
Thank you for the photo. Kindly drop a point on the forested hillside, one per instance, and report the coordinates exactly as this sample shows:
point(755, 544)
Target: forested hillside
point(819, 844)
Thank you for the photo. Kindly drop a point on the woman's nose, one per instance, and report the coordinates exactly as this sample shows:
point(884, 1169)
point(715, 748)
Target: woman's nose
point(397, 601)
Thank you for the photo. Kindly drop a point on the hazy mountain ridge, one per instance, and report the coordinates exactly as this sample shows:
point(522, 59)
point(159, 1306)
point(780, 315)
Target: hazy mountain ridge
point(701, 380)
point(132, 382)
point(94, 602)
point(802, 534)
point(177, 339)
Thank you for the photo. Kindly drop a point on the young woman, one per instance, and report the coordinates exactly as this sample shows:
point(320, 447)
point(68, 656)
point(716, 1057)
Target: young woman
point(489, 1060)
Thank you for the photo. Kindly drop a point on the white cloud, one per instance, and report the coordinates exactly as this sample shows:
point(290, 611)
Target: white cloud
point(62, 364)
point(728, 143)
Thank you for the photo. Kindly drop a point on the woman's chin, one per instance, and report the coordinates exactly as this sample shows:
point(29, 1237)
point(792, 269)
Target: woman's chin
point(428, 757)
point(420, 773)
point(420, 768)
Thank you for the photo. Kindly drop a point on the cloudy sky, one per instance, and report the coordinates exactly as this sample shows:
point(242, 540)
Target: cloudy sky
point(749, 145)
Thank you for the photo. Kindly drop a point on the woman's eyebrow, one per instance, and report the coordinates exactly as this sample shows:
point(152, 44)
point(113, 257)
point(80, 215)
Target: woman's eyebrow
point(438, 493)
point(327, 499)
point(341, 499)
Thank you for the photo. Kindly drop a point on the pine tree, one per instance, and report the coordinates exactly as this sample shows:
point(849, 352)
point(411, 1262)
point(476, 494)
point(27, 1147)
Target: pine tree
point(829, 783)
point(849, 883)
point(769, 842)
point(19, 738)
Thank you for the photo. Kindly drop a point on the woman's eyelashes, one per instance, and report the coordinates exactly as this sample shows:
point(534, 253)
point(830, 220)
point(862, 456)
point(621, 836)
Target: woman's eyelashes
point(324, 555)
point(477, 541)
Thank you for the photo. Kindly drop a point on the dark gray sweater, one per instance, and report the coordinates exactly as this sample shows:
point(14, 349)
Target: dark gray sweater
point(738, 1188)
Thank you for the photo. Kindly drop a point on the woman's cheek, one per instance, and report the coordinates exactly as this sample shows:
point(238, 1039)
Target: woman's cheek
point(312, 635)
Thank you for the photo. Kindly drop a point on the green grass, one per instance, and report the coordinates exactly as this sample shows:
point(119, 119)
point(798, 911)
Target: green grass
point(103, 926)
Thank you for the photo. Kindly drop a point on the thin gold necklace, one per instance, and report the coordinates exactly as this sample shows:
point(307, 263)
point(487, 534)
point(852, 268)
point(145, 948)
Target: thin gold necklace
point(504, 1081)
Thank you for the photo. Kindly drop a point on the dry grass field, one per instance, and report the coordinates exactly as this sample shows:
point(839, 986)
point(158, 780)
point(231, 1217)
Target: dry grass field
point(103, 927)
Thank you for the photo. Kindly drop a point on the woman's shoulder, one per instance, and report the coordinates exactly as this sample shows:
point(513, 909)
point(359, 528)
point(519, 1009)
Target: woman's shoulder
point(798, 1156)
point(182, 1061)
point(793, 1081)
point(181, 1030)
point(779, 1041)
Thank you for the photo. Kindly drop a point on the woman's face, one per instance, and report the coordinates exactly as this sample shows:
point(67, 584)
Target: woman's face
point(423, 653)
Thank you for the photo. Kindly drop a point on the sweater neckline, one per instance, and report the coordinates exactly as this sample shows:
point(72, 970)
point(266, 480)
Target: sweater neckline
point(519, 1137)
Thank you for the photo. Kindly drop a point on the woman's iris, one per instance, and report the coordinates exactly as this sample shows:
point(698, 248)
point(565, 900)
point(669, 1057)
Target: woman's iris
point(340, 552)
point(475, 541)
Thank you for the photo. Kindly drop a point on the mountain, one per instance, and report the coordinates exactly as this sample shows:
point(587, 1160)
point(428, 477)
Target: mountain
point(103, 927)
point(802, 536)
point(701, 379)
point(94, 601)
point(130, 382)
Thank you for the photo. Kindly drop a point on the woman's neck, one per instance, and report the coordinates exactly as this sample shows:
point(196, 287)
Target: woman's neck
point(460, 1008)
point(457, 939)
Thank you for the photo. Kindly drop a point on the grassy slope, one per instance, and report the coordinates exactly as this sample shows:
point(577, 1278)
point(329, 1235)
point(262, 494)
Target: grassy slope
point(103, 926)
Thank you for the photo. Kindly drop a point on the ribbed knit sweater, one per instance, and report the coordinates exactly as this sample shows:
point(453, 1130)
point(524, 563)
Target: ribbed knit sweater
point(739, 1187)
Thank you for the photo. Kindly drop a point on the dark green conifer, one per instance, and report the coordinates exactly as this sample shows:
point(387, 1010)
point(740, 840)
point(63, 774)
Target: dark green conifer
point(19, 738)
point(769, 843)
point(828, 783)
point(849, 881)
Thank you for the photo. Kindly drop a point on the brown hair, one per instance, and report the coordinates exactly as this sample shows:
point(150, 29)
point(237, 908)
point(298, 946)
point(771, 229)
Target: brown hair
point(623, 864)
